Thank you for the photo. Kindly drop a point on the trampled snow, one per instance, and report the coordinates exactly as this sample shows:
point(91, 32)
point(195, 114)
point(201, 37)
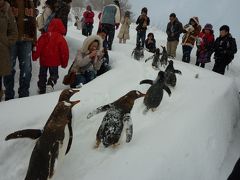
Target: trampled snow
point(188, 137)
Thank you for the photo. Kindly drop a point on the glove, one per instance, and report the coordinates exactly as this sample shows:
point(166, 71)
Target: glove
point(117, 26)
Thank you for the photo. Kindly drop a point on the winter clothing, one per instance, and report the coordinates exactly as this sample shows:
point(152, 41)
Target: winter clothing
point(142, 22)
point(42, 18)
point(110, 18)
point(224, 50)
point(124, 30)
point(150, 43)
point(174, 30)
point(189, 38)
point(8, 36)
point(88, 21)
point(84, 64)
point(235, 172)
point(172, 48)
point(53, 51)
point(205, 44)
point(224, 28)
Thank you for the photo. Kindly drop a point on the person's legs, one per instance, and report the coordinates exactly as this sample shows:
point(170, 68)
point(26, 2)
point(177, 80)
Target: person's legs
point(1, 90)
point(42, 76)
point(219, 66)
point(9, 79)
point(124, 41)
point(169, 43)
point(25, 64)
point(52, 80)
point(186, 53)
point(80, 79)
point(111, 36)
point(173, 50)
point(143, 37)
point(90, 75)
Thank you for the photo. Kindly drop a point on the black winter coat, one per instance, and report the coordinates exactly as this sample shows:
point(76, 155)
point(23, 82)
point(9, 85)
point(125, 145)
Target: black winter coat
point(225, 48)
point(176, 28)
point(143, 22)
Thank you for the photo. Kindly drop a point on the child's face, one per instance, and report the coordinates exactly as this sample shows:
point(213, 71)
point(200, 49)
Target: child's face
point(223, 33)
point(192, 22)
point(93, 46)
point(207, 31)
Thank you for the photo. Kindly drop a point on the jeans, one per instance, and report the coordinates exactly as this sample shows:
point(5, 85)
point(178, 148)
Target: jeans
point(83, 78)
point(52, 80)
point(87, 30)
point(141, 36)
point(110, 33)
point(22, 51)
point(186, 53)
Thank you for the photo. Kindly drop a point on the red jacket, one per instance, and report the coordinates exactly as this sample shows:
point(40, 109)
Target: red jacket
point(206, 40)
point(51, 46)
point(88, 16)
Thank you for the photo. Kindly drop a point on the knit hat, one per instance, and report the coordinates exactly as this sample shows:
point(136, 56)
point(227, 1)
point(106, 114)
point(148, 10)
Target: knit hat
point(225, 27)
point(208, 27)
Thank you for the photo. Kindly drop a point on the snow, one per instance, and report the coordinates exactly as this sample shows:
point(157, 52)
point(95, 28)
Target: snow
point(192, 135)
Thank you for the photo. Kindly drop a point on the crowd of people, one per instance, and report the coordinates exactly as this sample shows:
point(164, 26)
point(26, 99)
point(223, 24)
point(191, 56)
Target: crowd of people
point(19, 41)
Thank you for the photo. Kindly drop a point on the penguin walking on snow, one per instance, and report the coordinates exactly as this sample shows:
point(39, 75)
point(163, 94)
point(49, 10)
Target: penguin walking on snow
point(154, 94)
point(164, 58)
point(117, 116)
point(170, 74)
point(156, 59)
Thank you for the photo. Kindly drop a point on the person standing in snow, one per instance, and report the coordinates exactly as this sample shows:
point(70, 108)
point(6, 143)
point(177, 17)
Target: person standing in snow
point(87, 61)
point(142, 22)
point(53, 51)
point(191, 32)
point(224, 49)
point(123, 34)
point(88, 21)
point(150, 43)
point(205, 42)
point(174, 29)
point(9, 35)
point(25, 15)
point(110, 20)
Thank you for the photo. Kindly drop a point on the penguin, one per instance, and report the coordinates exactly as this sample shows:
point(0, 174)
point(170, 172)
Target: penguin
point(51, 146)
point(164, 58)
point(117, 117)
point(170, 74)
point(154, 94)
point(156, 59)
point(138, 52)
point(36, 133)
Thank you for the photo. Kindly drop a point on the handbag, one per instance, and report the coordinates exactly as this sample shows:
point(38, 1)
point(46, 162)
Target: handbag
point(69, 78)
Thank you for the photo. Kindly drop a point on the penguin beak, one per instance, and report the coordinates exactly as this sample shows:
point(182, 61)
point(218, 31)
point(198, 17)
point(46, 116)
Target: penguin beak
point(75, 102)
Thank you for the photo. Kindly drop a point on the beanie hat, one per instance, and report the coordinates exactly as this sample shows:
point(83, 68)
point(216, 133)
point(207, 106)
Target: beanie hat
point(172, 15)
point(145, 10)
point(208, 27)
point(224, 27)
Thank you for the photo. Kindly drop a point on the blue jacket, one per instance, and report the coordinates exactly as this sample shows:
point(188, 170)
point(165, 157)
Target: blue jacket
point(111, 15)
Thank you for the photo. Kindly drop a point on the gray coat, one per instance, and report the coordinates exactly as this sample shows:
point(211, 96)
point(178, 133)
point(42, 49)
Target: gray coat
point(8, 36)
point(111, 15)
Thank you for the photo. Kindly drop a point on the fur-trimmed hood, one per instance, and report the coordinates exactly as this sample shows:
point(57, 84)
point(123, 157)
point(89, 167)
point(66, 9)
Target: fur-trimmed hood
point(195, 19)
point(5, 7)
point(88, 41)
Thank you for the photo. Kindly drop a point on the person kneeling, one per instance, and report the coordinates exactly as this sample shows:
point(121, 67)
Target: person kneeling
point(87, 61)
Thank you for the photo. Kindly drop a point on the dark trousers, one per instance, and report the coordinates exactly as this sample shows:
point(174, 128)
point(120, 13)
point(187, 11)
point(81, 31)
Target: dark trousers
point(110, 33)
point(83, 78)
point(186, 53)
point(43, 81)
point(235, 175)
point(141, 36)
point(87, 30)
point(220, 65)
point(21, 50)
point(202, 64)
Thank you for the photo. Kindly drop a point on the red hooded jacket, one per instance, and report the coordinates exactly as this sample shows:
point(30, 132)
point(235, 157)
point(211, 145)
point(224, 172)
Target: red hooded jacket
point(88, 16)
point(51, 46)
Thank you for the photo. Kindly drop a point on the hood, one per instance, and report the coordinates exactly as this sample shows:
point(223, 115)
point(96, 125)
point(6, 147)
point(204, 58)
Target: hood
point(56, 25)
point(89, 40)
point(195, 19)
point(5, 7)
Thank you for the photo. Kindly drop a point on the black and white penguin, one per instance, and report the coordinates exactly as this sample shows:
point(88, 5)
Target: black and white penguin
point(170, 74)
point(156, 59)
point(138, 52)
point(154, 94)
point(36, 133)
point(117, 117)
point(164, 57)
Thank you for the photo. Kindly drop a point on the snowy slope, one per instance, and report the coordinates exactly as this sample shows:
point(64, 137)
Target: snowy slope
point(188, 137)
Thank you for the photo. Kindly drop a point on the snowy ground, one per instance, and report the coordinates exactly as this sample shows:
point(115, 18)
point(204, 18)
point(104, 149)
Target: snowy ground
point(192, 135)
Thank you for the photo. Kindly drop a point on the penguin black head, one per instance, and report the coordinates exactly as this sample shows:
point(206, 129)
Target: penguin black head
point(157, 51)
point(164, 48)
point(170, 62)
point(67, 94)
point(161, 76)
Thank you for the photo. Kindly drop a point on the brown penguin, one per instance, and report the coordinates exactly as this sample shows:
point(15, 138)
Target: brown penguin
point(117, 116)
point(36, 133)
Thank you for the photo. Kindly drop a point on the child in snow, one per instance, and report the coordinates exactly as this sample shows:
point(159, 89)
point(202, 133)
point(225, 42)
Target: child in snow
point(8, 37)
point(142, 22)
point(53, 51)
point(224, 49)
point(191, 32)
point(87, 61)
point(88, 21)
point(150, 43)
point(124, 30)
point(105, 58)
point(205, 42)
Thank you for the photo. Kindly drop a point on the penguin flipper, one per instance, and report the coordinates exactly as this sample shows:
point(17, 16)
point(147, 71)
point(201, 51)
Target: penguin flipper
point(177, 71)
point(147, 81)
point(166, 88)
point(70, 138)
point(151, 57)
point(26, 133)
point(129, 127)
point(99, 110)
